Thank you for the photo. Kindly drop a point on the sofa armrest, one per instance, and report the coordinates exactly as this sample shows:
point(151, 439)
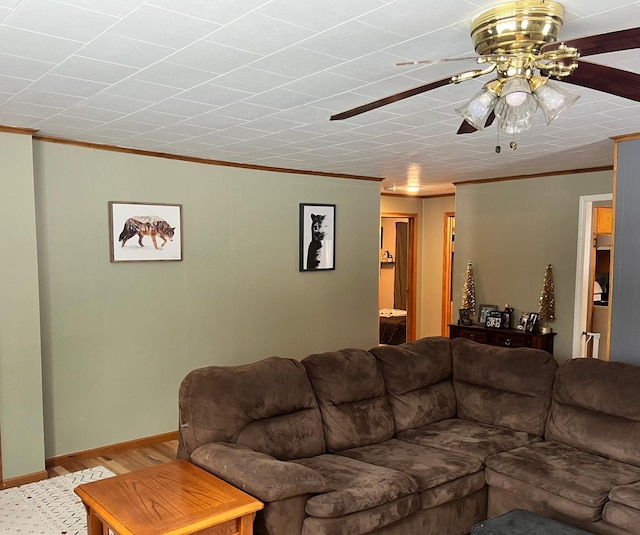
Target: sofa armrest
point(258, 474)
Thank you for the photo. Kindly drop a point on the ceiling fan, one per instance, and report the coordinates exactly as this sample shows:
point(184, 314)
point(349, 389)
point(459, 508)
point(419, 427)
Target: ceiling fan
point(518, 42)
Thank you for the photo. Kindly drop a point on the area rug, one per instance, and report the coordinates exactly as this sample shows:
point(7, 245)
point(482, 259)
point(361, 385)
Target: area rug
point(48, 507)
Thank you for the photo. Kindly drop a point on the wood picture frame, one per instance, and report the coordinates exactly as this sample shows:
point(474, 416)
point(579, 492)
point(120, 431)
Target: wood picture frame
point(145, 232)
point(317, 237)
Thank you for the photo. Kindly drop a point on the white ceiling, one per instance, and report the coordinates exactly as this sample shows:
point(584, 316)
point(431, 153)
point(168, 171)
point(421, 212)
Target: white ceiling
point(255, 81)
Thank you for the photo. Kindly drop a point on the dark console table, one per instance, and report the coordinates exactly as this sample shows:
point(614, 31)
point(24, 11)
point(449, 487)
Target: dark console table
point(502, 337)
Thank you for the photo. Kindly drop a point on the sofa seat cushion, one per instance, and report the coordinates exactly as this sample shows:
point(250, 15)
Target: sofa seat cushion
point(572, 481)
point(470, 438)
point(623, 507)
point(355, 485)
point(440, 476)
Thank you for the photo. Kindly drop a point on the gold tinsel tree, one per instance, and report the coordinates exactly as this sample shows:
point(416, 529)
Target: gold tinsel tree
point(547, 307)
point(469, 291)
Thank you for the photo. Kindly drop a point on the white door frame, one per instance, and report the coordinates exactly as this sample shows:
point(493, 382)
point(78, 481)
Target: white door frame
point(583, 293)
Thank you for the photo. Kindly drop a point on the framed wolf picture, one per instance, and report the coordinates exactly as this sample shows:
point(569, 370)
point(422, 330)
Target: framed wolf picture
point(317, 237)
point(145, 232)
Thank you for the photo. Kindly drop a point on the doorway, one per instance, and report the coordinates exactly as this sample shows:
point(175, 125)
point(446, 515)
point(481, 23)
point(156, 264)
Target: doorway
point(447, 271)
point(592, 307)
point(398, 277)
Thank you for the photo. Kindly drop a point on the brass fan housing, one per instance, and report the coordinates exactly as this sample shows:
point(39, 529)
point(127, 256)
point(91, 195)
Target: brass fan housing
point(521, 27)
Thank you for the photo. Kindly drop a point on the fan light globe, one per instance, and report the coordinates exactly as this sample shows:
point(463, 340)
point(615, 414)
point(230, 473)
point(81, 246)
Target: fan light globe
point(476, 111)
point(553, 100)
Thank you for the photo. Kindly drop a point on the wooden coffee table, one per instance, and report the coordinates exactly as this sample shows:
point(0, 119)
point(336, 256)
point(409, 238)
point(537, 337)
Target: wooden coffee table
point(175, 498)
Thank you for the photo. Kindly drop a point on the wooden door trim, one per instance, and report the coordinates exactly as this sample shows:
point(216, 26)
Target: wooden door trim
point(412, 268)
point(447, 248)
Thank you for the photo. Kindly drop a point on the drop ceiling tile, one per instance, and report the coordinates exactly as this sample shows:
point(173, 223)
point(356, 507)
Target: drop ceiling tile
point(59, 19)
point(323, 84)
point(64, 85)
point(281, 99)
point(213, 121)
point(28, 69)
point(173, 75)
point(246, 111)
point(296, 62)
point(163, 136)
point(272, 124)
point(251, 80)
point(339, 42)
point(124, 50)
point(97, 114)
point(332, 13)
point(140, 90)
point(212, 57)
point(305, 114)
point(220, 11)
point(4, 13)
point(213, 95)
point(115, 103)
point(65, 121)
point(393, 18)
point(112, 134)
point(129, 125)
point(187, 130)
point(179, 106)
point(162, 27)
point(47, 99)
point(28, 44)
point(259, 34)
point(117, 8)
point(154, 117)
point(370, 68)
point(13, 85)
point(32, 110)
point(91, 69)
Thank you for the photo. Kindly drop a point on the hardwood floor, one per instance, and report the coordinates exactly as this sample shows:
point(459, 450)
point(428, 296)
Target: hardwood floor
point(122, 462)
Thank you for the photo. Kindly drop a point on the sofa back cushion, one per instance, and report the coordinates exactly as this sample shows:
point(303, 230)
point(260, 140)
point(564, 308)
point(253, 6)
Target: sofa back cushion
point(504, 387)
point(418, 381)
point(595, 408)
point(350, 391)
point(268, 406)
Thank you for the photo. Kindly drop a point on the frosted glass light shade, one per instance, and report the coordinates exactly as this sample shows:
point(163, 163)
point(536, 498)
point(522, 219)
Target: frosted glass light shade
point(554, 99)
point(476, 111)
point(516, 104)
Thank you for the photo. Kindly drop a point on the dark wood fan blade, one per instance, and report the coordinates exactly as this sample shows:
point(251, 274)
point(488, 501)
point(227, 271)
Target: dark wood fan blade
point(393, 98)
point(617, 82)
point(466, 128)
point(601, 43)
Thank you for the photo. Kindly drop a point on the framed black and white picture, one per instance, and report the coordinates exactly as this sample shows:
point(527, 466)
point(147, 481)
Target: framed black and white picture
point(145, 232)
point(494, 320)
point(317, 237)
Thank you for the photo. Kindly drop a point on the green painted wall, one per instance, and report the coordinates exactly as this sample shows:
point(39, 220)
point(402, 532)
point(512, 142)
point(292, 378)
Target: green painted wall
point(118, 338)
point(20, 369)
point(511, 230)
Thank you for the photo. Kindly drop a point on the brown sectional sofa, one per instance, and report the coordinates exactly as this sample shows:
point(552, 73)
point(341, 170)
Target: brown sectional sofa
point(427, 437)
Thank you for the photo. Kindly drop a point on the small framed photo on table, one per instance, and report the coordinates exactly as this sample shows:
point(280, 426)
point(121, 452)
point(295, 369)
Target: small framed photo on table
point(532, 322)
point(484, 312)
point(494, 320)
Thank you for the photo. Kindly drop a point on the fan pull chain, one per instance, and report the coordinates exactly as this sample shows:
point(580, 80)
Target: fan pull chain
point(498, 148)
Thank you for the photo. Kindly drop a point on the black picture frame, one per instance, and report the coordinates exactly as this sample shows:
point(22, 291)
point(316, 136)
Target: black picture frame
point(317, 237)
point(494, 320)
point(532, 322)
point(522, 322)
